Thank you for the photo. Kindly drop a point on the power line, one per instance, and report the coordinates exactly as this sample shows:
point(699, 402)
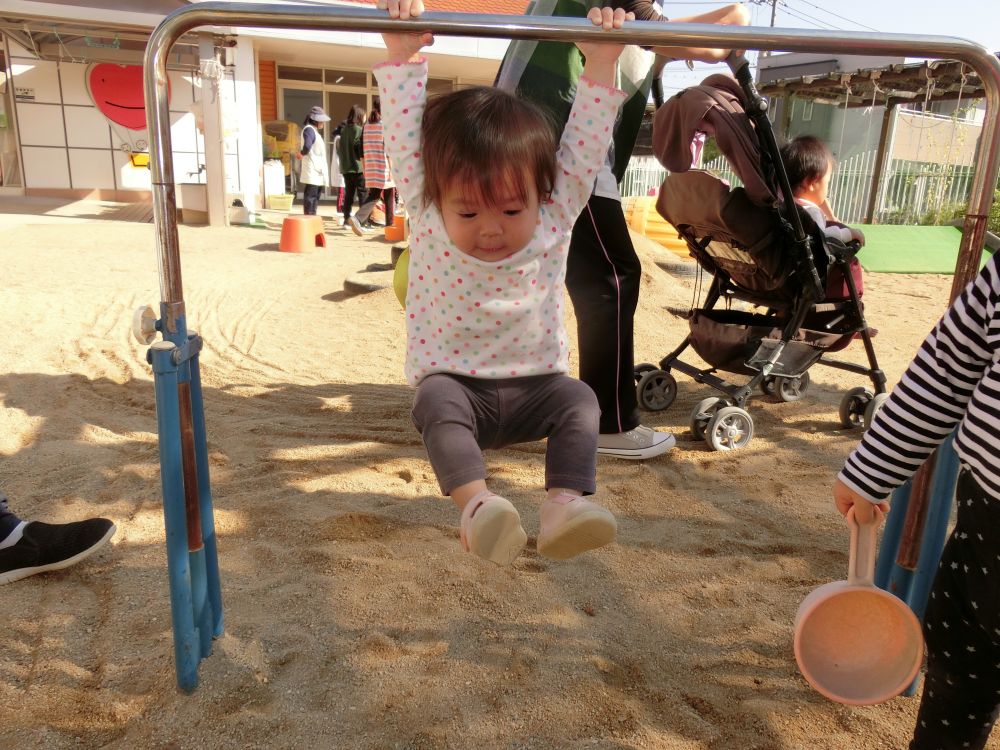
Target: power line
point(803, 16)
point(843, 18)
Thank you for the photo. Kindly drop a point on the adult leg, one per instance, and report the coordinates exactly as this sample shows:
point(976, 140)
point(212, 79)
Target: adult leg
point(351, 182)
point(27, 548)
point(310, 199)
point(602, 277)
point(961, 697)
point(389, 198)
point(8, 521)
point(365, 212)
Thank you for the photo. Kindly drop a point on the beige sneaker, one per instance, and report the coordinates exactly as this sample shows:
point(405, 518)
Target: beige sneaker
point(571, 525)
point(491, 529)
point(638, 443)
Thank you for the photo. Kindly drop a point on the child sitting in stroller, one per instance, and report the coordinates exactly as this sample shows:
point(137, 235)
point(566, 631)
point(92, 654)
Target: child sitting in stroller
point(809, 164)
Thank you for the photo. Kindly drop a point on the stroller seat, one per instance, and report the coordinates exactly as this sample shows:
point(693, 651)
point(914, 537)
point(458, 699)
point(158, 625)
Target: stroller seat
point(761, 249)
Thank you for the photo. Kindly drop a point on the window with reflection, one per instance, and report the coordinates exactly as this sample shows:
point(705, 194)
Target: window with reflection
point(346, 78)
point(294, 73)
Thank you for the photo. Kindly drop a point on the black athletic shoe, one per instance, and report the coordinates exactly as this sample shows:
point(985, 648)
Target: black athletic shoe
point(46, 546)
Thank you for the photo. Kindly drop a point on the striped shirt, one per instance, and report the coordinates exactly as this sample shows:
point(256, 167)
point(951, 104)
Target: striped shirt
point(375, 163)
point(953, 380)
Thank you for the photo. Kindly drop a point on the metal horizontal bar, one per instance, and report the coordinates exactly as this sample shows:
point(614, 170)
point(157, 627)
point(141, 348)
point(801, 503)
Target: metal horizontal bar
point(341, 18)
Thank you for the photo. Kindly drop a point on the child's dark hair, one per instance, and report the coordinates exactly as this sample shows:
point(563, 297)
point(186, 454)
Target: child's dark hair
point(806, 158)
point(356, 115)
point(486, 138)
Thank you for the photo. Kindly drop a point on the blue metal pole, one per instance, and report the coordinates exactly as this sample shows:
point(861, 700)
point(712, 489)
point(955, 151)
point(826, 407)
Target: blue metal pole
point(889, 548)
point(202, 611)
point(187, 648)
point(205, 495)
point(192, 505)
point(913, 586)
point(943, 484)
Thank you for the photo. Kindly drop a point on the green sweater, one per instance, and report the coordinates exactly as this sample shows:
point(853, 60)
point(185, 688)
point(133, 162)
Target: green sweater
point(349, 149)
point(547, 72)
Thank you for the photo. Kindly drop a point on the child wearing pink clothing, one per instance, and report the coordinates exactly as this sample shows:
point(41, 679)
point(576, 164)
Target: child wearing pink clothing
point(492, 205)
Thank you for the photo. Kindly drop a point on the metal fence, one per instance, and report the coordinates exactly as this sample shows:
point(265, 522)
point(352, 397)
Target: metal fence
point(911, 191)
point(644, 174)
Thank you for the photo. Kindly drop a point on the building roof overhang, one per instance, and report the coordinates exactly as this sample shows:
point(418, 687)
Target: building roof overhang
point(930, 81)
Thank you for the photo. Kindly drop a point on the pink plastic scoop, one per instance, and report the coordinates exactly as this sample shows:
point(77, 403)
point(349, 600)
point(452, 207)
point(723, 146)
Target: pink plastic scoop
point(855, 643)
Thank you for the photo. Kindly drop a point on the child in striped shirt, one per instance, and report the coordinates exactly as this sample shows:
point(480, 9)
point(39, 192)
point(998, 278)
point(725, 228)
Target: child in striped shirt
point(953, 381)
point(491, 205)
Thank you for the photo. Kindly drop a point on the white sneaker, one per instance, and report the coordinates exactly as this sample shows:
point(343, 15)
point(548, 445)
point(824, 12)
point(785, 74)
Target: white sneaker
point(638, 443)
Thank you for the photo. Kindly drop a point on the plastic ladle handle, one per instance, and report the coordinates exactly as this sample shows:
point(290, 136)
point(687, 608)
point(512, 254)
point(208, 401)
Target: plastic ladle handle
point(861, 566)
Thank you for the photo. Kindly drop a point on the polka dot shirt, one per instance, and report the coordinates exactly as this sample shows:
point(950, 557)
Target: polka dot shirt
point(472, 317)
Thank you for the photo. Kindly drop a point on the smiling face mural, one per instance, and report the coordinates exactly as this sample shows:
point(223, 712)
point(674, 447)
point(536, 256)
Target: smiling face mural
point(117, 92)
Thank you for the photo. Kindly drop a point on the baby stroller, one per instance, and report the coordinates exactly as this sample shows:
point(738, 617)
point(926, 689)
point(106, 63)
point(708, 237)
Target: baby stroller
point(760, 248)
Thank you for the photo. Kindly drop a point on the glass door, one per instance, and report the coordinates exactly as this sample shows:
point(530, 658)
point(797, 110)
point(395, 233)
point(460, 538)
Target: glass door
point(339, 103)
point(297, 103)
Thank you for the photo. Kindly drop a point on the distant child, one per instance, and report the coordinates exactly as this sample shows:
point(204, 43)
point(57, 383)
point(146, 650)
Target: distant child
point(809, 164)
point(491, 206)
point(953, 380)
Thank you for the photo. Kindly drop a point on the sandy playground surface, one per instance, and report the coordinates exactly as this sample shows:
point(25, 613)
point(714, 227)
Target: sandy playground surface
point(353, 618)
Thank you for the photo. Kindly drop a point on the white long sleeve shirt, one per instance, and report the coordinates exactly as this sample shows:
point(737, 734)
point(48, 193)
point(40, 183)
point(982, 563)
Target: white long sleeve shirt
point(471, 317)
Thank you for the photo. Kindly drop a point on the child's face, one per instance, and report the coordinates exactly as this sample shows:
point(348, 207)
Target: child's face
point(490, 233)
point(818, 188)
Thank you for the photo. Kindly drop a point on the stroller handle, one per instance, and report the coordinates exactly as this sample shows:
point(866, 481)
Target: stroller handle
point(736, 62)
point(757, 107)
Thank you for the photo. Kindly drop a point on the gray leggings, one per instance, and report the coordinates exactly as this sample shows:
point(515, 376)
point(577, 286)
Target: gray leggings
point(459, 416)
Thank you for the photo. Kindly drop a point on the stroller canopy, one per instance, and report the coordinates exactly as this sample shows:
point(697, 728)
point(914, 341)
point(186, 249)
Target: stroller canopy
point(714, 107)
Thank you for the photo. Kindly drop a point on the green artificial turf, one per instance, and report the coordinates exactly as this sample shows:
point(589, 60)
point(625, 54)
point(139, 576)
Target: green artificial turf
point(909, 249)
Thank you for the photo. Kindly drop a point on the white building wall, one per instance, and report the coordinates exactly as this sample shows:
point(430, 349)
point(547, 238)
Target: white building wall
point(241, 120)
point(68, 144)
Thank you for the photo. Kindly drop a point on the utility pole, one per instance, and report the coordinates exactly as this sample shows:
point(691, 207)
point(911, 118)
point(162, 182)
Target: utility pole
point(774, 14)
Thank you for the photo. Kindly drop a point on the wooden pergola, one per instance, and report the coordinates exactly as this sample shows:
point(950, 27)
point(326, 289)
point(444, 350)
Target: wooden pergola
point(930, 81)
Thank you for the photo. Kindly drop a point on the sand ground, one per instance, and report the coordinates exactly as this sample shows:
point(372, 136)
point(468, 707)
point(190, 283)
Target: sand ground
point(353, 618)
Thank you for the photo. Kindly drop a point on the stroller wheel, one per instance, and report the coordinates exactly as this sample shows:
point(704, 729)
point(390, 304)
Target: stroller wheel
point(639, 370)
point(703, 414)
point(730, 429)
point(853, 406)
point(792, 389)
point(873, 406)
point(768, 385)
point(656, 390)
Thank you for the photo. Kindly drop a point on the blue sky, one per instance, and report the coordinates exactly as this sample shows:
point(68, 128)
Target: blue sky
point(978, 20)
